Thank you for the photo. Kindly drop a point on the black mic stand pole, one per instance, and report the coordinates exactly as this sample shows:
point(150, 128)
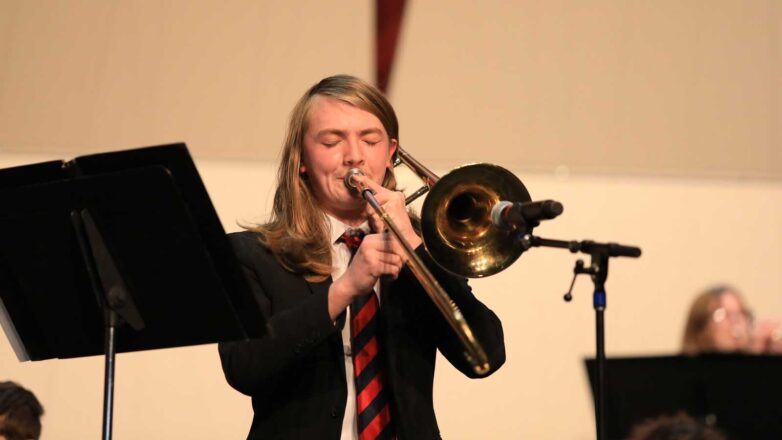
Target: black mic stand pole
point(599, 273)
point(524, 217)
point(598, 270)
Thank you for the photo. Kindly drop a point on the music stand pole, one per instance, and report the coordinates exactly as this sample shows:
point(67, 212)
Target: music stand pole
point(112, 294)
point(111, 320)
point(108, 375)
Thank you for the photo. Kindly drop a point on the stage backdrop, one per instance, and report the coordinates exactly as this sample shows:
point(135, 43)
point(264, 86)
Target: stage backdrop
point(669, 87)
point(657, 126)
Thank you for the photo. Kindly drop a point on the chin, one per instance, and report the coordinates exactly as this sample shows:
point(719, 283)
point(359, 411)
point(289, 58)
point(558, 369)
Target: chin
point(355, 203)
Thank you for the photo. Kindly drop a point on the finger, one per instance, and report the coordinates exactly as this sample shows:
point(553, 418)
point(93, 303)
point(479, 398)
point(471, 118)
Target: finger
point(392, 200)
point(381, 193)
point(373, 241)
point(394, 245)
point(375, 221)
point(390, 259)
point(381, 254)
point(393, 272)
point(386, 243)
point(389, 265)
point(374, 186)
point(389, 246)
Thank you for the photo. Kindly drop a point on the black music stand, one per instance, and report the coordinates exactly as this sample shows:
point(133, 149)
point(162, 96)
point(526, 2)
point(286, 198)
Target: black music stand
point(738, 393)
point(127, 237)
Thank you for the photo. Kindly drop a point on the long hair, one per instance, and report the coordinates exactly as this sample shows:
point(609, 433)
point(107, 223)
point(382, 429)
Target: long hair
point(297, 232)
point(702, 307)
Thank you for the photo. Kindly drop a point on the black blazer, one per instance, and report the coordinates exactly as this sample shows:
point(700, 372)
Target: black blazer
point(296, 373)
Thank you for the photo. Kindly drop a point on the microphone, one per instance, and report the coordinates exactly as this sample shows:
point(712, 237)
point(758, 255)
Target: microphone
point(511, 215)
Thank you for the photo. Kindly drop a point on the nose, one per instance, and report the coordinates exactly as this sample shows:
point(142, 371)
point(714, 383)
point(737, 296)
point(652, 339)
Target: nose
point(354, 153)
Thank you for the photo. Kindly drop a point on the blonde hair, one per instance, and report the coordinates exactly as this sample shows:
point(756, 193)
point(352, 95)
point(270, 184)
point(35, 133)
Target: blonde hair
point(694, 339)
point(297, 232)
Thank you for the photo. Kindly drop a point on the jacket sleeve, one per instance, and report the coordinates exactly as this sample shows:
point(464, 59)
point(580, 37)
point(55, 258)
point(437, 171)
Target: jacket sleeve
point(252, 367)
point(486, 326)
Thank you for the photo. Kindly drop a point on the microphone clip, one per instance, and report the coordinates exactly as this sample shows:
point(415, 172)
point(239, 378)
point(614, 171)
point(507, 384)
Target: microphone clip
point(578, 270)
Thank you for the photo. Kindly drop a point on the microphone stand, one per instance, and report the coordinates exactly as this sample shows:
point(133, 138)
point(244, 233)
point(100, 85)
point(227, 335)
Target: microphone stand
point(598, 271)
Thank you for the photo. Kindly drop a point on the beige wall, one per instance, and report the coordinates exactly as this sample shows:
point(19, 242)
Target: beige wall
point(666, 87)
point(616, 97)
point(92, 75)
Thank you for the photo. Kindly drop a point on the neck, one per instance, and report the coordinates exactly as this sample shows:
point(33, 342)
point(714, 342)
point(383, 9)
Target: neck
point(352, 218)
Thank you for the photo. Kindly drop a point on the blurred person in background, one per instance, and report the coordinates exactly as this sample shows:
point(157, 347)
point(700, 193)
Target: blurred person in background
point(20, 413)
point(720, 321)
point(677, 427)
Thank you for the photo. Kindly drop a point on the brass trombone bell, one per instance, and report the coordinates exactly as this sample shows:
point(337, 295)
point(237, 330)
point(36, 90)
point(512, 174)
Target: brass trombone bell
point(457, 230)
point(456, 220)
point(456, 216)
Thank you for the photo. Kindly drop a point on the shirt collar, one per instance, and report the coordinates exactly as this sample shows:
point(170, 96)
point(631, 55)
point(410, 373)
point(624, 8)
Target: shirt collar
point(338, 228)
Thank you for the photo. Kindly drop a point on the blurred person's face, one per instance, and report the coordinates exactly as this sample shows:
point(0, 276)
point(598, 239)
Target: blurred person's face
point(729, 328)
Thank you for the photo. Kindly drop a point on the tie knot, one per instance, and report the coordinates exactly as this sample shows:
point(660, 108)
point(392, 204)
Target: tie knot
point(352, 238)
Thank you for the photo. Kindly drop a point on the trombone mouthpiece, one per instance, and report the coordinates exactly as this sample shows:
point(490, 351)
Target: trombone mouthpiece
point(349, 178)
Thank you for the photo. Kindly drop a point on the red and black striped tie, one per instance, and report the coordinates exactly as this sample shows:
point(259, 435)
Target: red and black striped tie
point(372, 392)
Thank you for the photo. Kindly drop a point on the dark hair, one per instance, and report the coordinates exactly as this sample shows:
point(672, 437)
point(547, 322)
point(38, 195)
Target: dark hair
point(678, 427)
point(20, 412)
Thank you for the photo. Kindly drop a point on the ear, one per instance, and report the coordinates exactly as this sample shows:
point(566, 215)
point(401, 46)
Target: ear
point(302, 169)
point(392, 146)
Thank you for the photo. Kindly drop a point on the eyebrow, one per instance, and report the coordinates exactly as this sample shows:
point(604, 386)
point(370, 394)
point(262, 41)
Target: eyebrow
point(371, 131)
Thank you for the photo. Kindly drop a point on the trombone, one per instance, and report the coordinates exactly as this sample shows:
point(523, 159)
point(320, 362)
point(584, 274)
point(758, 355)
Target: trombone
point(458, 232)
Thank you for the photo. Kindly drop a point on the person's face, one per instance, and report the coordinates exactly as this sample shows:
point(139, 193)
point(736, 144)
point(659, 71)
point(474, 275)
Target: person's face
point(730, 325)
point(340, 136)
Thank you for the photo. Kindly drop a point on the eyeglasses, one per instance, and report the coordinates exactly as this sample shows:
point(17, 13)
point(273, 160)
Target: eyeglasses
point(720, 314)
